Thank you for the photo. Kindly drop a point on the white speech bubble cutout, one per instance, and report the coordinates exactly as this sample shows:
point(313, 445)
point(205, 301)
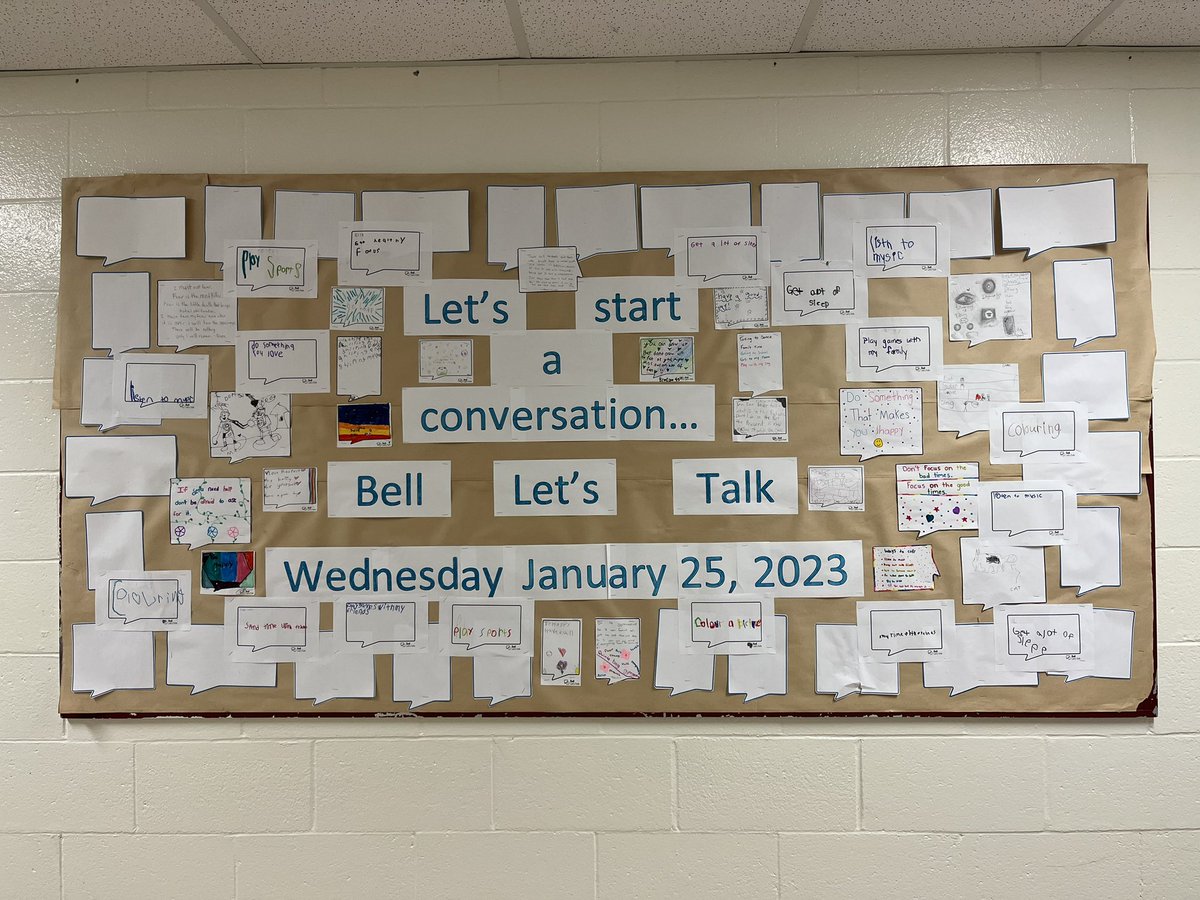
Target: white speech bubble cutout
point(120, 311)
point(680, 672)
point(121, 228)
point(1036, 219)
point(907, 344)
point(763, 674)
point(1038, 431)
point(279, 360)
point(893, 246)
point(196, 658)
point(501, 678)
point(1084, 300)
point(104, 468)
point(380, 622)
point(334, 676)
point(1022, 511)
point(719, 622)
point(421, 678)
point(385, 250)
point(105, 660)
point(818, 291)
point(137, 599)
point(712, 256)
point(281, 267)
point(473, 625)
point(264, 627)
point(1052, 634)
point(1112, 639)
point(1093, 558)
point(897, 631)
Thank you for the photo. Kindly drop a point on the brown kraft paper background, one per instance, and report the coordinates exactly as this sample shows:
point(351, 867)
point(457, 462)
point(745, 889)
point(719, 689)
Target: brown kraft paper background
point(814, 370)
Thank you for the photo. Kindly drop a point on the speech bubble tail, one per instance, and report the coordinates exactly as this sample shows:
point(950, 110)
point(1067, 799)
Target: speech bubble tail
point(956, 691)
point(1028, 656)
point(509, 264)
point(922, 532)
point(1076, 676)
point(101, 691)
point(113, 260)
point(196, 544)
point(963, 434)
point(844, 692)
point(708, 278)
point(97, 500)
point(894, 652)
point(975, 343)
point(1088, 588)
point(864, 457)
point(675, 690)
point(197, 689)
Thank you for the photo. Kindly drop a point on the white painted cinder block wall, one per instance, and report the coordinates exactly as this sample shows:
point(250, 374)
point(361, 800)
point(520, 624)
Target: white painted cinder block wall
point(616, 808)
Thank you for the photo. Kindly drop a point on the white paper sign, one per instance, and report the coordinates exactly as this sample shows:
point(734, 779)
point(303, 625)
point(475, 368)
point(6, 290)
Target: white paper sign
point(894, 349)
point(900, 248)
point(275, 268)
point(1020, 431)
point(1026, 513)
point(897, 631)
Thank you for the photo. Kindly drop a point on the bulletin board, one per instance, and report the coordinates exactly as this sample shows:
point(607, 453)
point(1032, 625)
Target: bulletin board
point(813, 671)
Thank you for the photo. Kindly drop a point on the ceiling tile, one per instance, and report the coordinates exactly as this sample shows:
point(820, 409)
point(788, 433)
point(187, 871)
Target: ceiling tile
point(318, 31)
point(948, 24)
point(1150, 23)
point(67, 34)
point(591, 28)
